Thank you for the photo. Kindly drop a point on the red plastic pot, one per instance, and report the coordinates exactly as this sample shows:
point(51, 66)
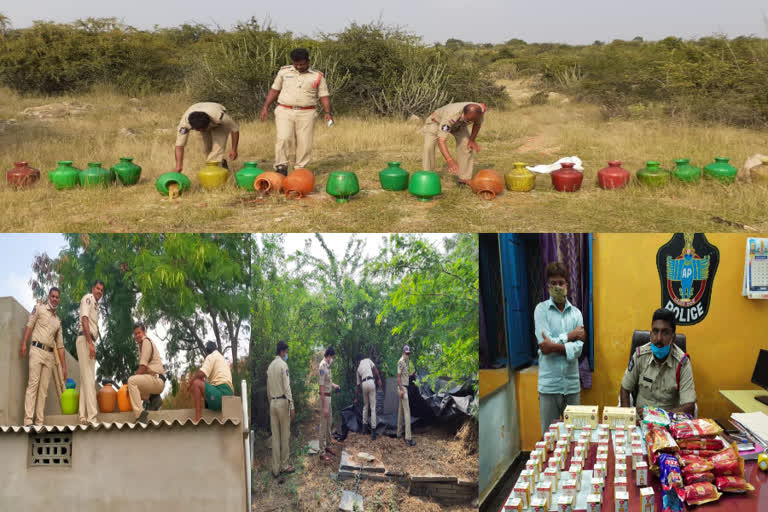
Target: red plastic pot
point(567, 179)
point(613, 176)
point(22, 175)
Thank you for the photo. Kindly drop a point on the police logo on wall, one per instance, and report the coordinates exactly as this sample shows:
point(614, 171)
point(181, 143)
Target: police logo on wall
point(687, 265)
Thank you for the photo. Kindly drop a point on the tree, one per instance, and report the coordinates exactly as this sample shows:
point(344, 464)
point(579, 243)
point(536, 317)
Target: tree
point(186, 284)
point(5, 24)
point(435, 303)
point(196, 283)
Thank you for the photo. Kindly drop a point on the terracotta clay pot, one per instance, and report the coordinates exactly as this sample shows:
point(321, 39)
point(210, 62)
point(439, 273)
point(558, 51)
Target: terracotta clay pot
point(298, 183)
point(613, 176)
point(487, 184)
point(269, 182)
point(22, 175)
point(123, 400)
point(107, 398)
point(567, 179)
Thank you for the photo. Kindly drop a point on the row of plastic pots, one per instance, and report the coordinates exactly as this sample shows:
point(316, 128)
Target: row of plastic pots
point(488, 183)
point(66, 175)
point(300, 182)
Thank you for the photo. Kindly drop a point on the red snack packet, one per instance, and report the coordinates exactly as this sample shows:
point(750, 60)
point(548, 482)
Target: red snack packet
point(690, 459)
point(695, 428)
point(700, 444)
point(699, 453)
point(728, 462)
point(694, 478)
point(733, 484)
point(661, 439)
point(700, 493)
point(698, 467)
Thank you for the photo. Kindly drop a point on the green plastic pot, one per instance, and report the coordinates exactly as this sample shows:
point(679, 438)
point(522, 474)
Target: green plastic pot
point(686, 172)
point(126, 171)
point(172, 177)
point(393, 177)
point(65, 175)
point(342, 185)
point(721, 170)
point(652, 175)
point(95, 176)
point(425, 185)
point(247, 175)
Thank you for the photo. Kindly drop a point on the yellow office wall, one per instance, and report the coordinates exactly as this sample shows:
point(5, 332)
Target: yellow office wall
point(723, 347)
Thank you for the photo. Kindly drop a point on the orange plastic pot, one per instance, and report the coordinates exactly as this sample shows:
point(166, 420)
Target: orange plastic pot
point(123, 400)
point(298, 183)
point(107, 398)
point(487, 184)
point(269, 182)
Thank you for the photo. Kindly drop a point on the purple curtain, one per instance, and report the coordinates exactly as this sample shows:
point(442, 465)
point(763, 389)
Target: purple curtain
point(571, 249)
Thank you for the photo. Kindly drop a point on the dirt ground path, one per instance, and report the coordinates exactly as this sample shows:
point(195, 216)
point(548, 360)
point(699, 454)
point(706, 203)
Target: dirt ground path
point(314, 486)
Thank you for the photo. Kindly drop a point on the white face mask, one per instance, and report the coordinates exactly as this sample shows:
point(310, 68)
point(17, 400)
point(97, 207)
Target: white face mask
point(330, 361)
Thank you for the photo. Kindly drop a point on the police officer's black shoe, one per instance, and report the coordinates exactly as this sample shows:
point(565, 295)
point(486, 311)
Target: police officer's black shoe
point(155, 402)
point(373, 435)
point(143, 417)
point(282, 169)
point(224, 164)
point(410, 442)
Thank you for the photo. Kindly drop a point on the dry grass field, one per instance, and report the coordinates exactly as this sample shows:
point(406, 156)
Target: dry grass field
point(143, 128)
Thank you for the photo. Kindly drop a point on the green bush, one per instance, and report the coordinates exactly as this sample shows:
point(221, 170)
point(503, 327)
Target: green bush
point(52, 58)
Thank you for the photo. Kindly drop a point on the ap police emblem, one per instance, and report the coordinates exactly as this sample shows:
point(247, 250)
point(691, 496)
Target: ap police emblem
point(687, 266)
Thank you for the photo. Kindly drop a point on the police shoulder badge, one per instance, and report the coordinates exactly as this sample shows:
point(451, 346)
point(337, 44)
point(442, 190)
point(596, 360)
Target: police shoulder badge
point(183, 130)
point(687, 265)
point(446, 127)
point(322, 372)
point(631, 363)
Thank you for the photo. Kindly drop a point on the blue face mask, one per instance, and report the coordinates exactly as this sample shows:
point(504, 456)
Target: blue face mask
point(662, 352)
point(285, 357)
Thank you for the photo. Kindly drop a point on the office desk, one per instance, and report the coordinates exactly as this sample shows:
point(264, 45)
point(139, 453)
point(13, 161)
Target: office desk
point(744, 399)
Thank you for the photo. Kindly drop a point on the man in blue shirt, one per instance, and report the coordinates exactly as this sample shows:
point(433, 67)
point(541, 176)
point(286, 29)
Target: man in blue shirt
point(559, 329)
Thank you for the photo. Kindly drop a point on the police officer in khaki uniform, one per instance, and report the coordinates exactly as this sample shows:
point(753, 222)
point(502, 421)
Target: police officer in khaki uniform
point(404, 410)
point(660, 373)
point(281, 412)
point(326, 385)
point(365, 371)
point(455, 119)
point(150, 376)
point(215, 125)
point(86, 351)
point(296, 89)
point(44, 328)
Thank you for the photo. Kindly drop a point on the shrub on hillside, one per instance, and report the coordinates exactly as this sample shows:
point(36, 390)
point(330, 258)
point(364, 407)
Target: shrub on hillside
point(53, 58)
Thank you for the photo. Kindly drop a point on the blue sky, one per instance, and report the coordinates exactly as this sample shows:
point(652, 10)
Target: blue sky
point(436, 20)
point(17, 252)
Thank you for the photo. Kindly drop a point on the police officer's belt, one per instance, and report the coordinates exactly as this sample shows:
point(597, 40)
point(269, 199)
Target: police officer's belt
point(296, 108)
point(367, 378)
point(279, 397)
point(162, 377)
point(40, 345)
point(327, 394)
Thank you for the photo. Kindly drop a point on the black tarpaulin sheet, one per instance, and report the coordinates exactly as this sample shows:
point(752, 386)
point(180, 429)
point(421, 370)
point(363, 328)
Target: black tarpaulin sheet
point(427, 406)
